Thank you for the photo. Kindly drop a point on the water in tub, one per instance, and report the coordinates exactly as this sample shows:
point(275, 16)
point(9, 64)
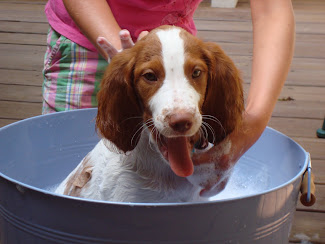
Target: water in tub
point(248, 178)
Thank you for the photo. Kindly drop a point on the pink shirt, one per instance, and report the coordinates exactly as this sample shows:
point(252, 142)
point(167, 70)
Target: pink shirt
point(133, 15)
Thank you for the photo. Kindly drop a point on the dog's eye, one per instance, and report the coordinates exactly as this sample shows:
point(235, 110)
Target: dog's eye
point(196, 73)
point(150, 76)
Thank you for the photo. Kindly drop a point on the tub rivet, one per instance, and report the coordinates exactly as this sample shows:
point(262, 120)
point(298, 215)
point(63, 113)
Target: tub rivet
point(21, 189)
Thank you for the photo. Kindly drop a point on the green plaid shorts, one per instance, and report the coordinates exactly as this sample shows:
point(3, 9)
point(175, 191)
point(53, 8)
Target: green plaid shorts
point(72, 75)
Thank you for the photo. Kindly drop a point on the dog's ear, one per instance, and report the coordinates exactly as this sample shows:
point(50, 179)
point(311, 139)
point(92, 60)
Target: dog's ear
point(119, 113)
point(224, 96)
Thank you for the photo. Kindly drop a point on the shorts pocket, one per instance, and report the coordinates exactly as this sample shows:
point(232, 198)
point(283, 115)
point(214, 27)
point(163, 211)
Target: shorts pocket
point(54, 42)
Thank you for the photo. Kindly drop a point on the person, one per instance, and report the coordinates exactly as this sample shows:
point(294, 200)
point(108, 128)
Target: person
point(84, 34)
point(74, 62)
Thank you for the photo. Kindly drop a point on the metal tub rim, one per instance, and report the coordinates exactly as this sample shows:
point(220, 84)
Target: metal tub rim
point(43, 191)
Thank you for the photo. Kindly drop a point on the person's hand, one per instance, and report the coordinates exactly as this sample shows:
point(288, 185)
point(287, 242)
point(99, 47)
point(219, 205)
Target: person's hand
point(213, 168)
point(126, 42)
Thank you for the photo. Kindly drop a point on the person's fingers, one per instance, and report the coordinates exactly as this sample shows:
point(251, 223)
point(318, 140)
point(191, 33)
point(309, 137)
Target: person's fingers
point(126, 39)
point(107, 47)
point(142, 34)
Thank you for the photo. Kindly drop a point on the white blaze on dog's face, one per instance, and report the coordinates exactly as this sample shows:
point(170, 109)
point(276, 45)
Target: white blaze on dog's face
point(178, 95)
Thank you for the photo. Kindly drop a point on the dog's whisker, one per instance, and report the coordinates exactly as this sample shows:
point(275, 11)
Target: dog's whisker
point(146, 124)
point(137, 134)
point(209, 127)
point(162, 142)
point(149, 123)
point(203, 133)
point(155, 132)
point(212, 118)
point(135, 117)
point(158, 137)
point(204, 128)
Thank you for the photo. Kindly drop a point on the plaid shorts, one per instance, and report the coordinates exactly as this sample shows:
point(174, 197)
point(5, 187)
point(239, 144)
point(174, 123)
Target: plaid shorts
point(72, 75)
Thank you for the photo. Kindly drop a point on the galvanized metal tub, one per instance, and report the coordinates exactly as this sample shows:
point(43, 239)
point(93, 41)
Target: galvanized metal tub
point(39, 152)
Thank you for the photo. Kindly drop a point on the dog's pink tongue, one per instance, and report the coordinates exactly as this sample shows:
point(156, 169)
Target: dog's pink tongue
point(179, 156)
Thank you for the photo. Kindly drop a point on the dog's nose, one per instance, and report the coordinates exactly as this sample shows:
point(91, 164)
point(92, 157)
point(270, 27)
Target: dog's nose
point(181, 122)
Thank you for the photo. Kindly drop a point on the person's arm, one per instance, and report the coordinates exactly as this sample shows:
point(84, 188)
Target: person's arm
point(95, 19)
point(273, 45)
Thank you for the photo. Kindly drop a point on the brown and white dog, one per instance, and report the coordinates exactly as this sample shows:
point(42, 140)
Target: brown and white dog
point(169, 95)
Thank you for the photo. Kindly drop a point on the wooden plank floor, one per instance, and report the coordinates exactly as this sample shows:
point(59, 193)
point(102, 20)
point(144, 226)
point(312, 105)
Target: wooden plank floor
point(23, 30)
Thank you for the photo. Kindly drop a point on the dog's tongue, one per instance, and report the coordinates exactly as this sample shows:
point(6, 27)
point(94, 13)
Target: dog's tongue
point(179, 156)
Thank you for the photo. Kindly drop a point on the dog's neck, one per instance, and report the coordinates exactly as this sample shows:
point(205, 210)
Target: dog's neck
point(147, 175)
point(147, 161)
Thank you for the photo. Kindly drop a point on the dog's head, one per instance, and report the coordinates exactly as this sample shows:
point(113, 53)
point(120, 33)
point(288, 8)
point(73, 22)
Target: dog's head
point(185, 91)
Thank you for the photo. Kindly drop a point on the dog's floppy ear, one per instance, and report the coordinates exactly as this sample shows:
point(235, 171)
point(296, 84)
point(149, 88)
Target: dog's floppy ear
point(224, 96)
point(119, 113)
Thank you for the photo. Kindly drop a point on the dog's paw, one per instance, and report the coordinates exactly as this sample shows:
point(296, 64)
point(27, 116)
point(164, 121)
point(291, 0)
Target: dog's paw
point(209, 178)
point(214, 169)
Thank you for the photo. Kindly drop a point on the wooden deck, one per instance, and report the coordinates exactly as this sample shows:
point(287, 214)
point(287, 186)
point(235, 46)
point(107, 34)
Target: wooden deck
point(23, 29)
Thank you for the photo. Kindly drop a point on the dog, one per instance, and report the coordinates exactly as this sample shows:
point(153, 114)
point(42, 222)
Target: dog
point(167, 97)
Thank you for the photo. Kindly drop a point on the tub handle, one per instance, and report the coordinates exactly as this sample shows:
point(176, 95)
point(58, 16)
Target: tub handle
point(307, 187)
